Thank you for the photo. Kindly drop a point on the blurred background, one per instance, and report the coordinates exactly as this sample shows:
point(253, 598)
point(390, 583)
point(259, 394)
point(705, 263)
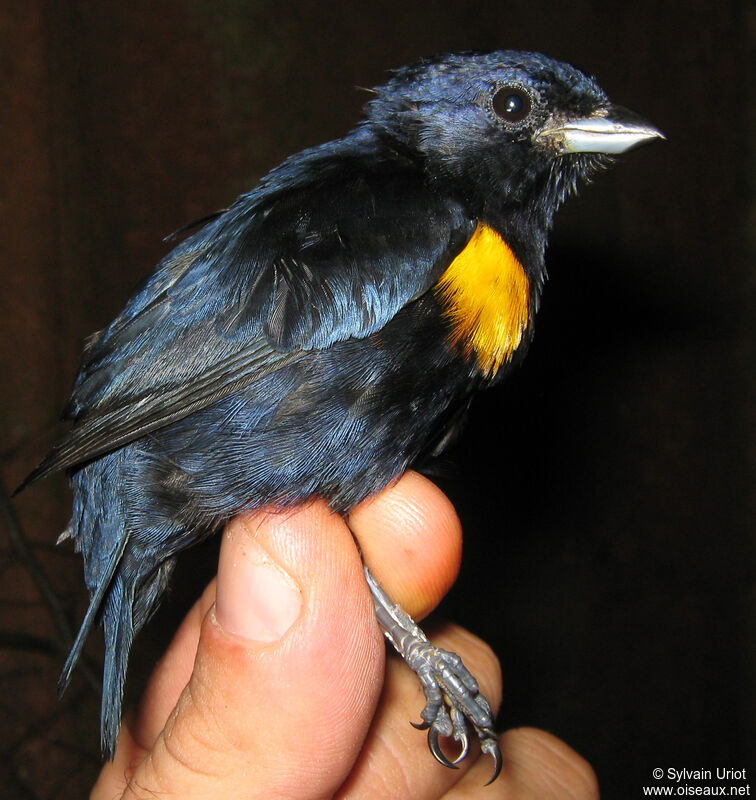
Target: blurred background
point(606, 490)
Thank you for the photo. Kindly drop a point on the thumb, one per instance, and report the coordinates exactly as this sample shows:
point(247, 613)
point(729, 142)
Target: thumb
point(288, 668)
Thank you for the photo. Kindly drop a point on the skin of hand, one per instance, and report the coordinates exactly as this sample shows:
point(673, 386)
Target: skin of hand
point(273, 685)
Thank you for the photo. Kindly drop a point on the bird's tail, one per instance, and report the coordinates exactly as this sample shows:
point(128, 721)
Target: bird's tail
point(127, 603)
point(89, 618)
point(126, 575)
point(118, 622)
point(100, 531)
point(119, 634)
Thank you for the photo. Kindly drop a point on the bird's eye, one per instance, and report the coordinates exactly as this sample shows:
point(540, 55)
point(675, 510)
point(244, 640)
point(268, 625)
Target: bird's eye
point(512, 103)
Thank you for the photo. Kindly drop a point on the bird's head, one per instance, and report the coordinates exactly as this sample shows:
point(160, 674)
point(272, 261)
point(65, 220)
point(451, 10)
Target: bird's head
point(509, 129)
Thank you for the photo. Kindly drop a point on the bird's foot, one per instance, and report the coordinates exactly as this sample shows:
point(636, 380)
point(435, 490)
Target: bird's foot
point(453, 700)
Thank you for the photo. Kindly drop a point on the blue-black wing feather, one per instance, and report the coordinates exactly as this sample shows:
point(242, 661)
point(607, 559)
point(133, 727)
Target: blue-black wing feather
point(327, 248)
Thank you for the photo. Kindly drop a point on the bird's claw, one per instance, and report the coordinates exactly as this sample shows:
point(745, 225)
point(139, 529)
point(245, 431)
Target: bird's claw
point(453, 702)
point(437, 752)
point(450, 721)
point(490, 745)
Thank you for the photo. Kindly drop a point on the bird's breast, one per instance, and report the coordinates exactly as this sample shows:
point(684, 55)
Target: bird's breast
point(485, 294)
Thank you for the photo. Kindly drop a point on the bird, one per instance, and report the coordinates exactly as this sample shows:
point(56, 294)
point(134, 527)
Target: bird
point(323, 333)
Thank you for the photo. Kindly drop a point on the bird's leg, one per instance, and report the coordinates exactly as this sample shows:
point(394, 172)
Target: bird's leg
point(451, 692)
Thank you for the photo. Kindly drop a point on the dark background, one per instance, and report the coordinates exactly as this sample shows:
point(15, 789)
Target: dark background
point(606, 490)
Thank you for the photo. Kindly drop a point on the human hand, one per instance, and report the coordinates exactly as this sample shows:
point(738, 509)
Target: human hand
point(274, 684)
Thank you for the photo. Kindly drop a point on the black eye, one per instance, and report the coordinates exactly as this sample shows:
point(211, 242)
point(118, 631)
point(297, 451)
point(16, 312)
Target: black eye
point(512, 103)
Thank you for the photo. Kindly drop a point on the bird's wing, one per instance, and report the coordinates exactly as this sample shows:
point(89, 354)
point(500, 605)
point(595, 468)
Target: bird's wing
point(254, 290)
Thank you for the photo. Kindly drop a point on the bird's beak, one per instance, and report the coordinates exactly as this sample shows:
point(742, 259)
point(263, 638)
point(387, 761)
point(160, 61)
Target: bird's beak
point(611, 130)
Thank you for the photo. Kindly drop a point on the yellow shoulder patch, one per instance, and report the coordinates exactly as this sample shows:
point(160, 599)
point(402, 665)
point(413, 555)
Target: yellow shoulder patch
point(486, 295)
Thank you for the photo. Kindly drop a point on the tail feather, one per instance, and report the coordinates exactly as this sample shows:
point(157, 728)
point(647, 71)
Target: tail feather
point(125, 569)
point(89, 618)
point(131, 601)
point(119, 635)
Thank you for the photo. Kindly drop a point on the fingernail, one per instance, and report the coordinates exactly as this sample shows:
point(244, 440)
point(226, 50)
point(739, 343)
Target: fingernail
point(255, 597)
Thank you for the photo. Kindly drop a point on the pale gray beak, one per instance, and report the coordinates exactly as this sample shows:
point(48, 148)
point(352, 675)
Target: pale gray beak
point(612, 130)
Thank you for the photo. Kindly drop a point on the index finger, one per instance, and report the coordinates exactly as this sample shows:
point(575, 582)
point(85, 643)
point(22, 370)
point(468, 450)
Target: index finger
point(411, 539)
